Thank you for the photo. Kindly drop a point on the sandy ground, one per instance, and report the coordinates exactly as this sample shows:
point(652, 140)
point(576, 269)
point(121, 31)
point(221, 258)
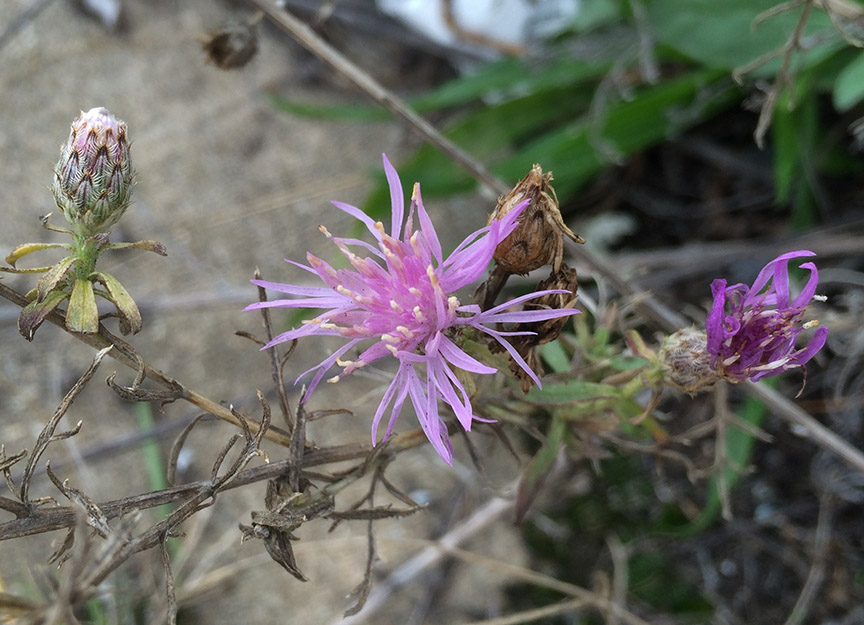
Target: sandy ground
point(227, 183)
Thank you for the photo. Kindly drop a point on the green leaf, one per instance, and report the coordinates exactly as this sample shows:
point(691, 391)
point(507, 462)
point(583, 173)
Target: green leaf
point(554, 355)
point(796, 132)
point(538, 469)
point(53, 276)
point(570, 392)
point(849, 87)
point(29, 248)
point(147, 246)
point(506, 79)
point(723, 34)
point(579, 150)
point(739, 447)
point(34, 313)
point(130, 316)
point(82, 315)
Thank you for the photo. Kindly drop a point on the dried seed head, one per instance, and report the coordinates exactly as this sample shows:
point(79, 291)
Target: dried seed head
point(231, 46)
point(93, 178)
point(547, 330)
point(538, 240)
point(685, 361)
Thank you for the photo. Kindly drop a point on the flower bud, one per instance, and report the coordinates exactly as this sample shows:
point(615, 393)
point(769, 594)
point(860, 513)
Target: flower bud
point(93, 178)
point(538, 240)
point(686, 362)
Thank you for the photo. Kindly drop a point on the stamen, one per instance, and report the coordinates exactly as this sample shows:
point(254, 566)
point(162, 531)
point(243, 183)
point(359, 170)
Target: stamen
point(408, 334)
point(430, 272)
point(344, 363)
point(333, 380)
point(395, 306)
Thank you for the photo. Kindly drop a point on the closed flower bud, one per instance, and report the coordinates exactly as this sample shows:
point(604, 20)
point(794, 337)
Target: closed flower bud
point(93, 178)
point(538, 240)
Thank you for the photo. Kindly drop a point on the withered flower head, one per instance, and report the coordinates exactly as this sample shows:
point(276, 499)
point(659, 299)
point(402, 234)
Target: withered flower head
point(231, 46)
point(538, 240)
point(563, 284)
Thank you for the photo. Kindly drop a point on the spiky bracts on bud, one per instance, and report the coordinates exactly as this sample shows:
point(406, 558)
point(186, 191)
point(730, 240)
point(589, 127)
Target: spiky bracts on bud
point(93, 178)
point(92, 188)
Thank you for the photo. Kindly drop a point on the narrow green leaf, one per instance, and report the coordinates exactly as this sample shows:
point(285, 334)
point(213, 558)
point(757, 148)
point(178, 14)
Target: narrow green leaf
point(29, 248)
point(538, 469)
point(82, 315)
point(849, 87)
point(723, 34)
point(147, 246)
point(54, 276)
point(554, 355)
point(34, 313)
point(119, 296)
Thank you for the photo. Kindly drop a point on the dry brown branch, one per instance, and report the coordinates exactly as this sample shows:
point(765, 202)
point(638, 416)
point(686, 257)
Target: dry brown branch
point(51, 519)
point(126, 354)
point(535, 614)
point(783, 79)
point(276, 363)
point(48, 434)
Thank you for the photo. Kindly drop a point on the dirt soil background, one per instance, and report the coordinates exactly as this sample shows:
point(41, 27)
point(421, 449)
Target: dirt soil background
point(227, 183)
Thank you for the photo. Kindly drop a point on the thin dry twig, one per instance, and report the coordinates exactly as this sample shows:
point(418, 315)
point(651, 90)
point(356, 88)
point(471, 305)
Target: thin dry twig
point(310, 40)
point(126, 354)
point(535, 614)
point(816, 575)
point(620, 576)
point(276, 363)
point(52, 519)
point(48, 435)
point(783, 78)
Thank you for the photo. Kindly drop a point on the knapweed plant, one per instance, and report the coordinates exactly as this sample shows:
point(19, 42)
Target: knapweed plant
point(464, 352)
point(92, 188)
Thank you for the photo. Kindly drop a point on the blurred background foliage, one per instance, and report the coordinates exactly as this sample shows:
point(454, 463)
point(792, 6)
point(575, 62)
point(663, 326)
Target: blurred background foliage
point(626, 76)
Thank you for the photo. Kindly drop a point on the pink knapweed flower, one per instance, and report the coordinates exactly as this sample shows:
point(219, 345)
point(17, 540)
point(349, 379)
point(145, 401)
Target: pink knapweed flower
point(400, 295)
point(752, 331)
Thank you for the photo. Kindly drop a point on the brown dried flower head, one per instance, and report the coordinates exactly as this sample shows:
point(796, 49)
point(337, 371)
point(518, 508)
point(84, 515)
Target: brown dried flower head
point(548, 330)
point(231, 46)
point(538, 240)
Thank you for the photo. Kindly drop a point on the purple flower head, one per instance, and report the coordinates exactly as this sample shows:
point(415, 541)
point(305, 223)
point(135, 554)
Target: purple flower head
point(399, 295)
point(752, 331)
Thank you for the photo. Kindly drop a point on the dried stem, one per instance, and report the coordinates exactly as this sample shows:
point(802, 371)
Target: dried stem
point(127, 355)
point(310, 40)
point(51, 519)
